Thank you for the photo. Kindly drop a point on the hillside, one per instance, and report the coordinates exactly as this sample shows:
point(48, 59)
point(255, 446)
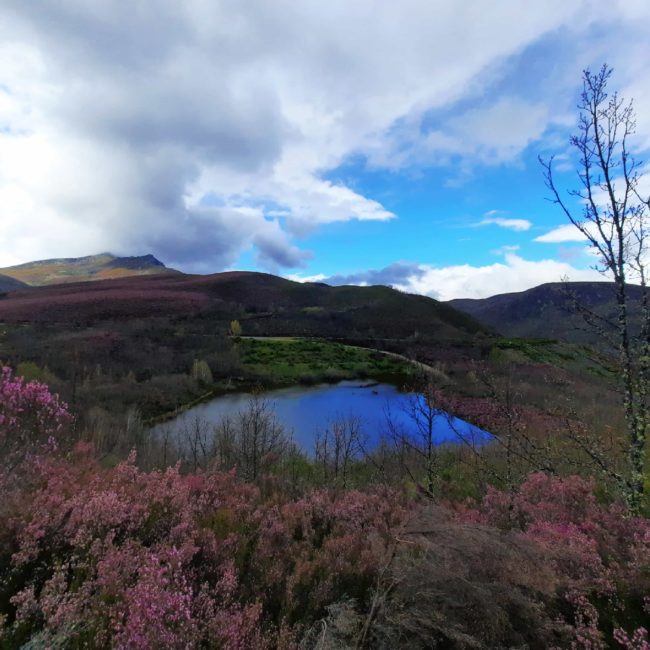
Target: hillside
point(547, 311)
point(265, 304)
point(80, 269)
point(10, 284)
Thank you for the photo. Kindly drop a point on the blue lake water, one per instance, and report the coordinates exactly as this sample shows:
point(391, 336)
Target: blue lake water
point(306, 410)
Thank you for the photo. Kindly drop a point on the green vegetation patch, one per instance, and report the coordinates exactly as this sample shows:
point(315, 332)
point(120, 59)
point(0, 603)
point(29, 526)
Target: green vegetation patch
point(293, 359)
point(556, 353)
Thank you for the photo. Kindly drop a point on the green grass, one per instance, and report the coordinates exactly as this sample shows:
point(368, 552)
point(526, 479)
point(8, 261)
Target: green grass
point(556, 353)
point(294, 360)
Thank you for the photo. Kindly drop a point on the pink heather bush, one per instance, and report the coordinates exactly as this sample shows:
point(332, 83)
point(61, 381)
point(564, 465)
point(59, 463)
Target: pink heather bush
point(99, 557)
point(601, 555)
point(638, 640)
point(29, 414)
point(125, 558)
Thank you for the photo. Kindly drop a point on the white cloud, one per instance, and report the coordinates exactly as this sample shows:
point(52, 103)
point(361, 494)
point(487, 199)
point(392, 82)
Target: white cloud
point(516, 274)
point(518, 225)
point(135, 127)
point(121, 124)
point(297, 277)
point(491, 134)
point(562, 234)
point(467, 281)
point(499, 132)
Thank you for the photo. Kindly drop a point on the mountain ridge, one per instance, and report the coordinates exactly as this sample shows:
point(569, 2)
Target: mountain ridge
point(266, 305)
point(87, 268)
point(548, 310)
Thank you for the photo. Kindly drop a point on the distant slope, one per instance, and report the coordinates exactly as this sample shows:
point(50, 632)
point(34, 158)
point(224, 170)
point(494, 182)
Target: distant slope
point(546, 311)
point(265, 304)
point(10, 284)
point(79, 269)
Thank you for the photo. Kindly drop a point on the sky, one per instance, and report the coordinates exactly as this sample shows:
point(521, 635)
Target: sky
point(366, 142)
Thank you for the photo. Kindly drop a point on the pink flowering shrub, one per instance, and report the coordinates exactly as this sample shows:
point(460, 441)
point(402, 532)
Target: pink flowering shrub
point(30, 415)
point(120, 557)
point(600, 554)
point(638, 640)
point(100, 557)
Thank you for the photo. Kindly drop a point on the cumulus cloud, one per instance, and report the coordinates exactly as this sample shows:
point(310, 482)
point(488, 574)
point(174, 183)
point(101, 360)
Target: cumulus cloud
point(562, 234)
point(466, 281)
point(197, 131)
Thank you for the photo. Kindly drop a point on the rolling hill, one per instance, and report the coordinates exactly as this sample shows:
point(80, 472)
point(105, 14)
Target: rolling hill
point(547, 311)
point(79, 269)
point(265, 305)
point(10, 284)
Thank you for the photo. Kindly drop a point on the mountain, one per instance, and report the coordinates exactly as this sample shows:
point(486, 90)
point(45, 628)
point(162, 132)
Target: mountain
point(548, 311)
point(265, 305)
point(10, 284)
point(79, 269)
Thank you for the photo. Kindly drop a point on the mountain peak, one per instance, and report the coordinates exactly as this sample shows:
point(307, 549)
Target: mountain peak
point(136, 262)
point(80, 269)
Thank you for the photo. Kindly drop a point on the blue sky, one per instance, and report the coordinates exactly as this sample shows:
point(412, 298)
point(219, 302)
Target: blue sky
point(347, 142)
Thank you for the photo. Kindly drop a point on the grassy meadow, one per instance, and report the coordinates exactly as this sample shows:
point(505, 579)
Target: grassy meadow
point(290, 360)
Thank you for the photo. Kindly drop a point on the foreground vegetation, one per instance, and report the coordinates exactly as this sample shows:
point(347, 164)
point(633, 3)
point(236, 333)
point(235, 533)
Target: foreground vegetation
point(95, 556)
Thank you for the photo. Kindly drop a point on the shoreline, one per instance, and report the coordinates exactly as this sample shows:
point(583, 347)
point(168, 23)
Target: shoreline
point(266, 383)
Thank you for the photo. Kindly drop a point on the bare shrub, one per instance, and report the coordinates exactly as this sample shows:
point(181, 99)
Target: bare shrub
point(457, 586)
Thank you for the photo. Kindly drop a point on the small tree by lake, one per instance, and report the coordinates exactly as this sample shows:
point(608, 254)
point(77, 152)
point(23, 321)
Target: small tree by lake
point(235, 328)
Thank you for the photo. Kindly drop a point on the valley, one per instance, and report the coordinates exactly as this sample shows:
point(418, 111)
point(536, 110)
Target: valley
point(154, 345)
point(300, 395)
point(324, 325)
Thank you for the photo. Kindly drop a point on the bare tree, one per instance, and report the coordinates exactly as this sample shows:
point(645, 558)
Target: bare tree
point(613, 217)
point(336, 448)
point(253, 441)
point(166, 447)
point(198, 442)
point(225, 443)
point(414, 437)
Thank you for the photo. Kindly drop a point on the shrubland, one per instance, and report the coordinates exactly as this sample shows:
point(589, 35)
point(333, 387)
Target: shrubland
point(159, 365)
point(101, 555)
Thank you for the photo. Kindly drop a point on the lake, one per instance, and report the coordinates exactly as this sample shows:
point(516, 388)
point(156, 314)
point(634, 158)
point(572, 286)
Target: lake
point(306, 410)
